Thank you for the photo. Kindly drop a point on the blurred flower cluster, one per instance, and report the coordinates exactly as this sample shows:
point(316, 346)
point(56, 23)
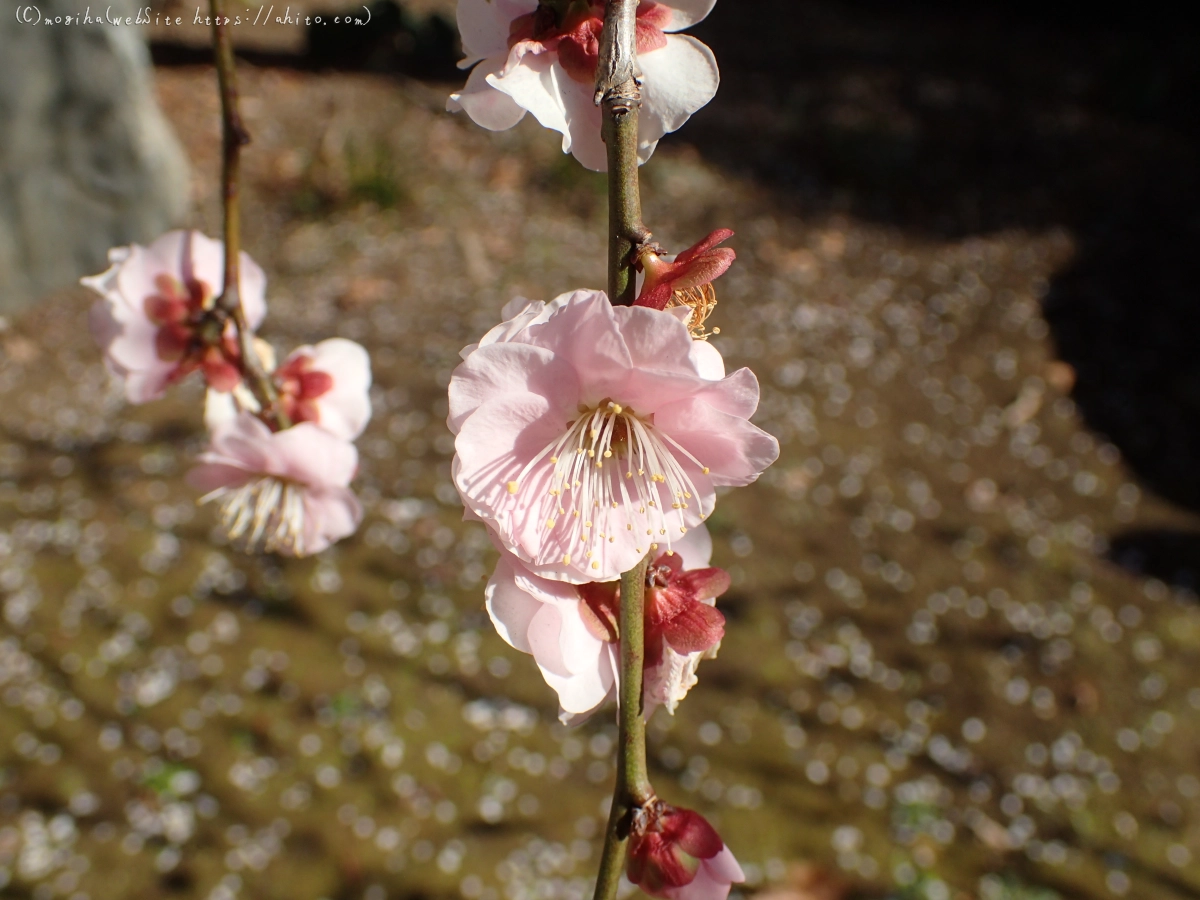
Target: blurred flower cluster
point(281, 454)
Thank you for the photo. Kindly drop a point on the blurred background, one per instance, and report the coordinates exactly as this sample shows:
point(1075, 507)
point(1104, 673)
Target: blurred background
point(963, 632)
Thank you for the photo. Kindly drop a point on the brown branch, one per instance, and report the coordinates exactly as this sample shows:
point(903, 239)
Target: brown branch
point(233, 137)
point(632, 790)
point(619, 96)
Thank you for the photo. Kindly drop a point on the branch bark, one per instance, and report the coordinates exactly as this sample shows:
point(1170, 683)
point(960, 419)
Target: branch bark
point(632, 790)
point(233, 137)
point(619, 95)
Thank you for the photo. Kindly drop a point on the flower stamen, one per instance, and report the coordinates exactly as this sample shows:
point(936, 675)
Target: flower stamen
point(604, 499)
point(702, 301)
point(265, 514)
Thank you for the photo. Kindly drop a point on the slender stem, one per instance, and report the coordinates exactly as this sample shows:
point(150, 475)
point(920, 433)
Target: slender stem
point(233, 137)
point(619, 96)
point(632, 789)
point(631, 742)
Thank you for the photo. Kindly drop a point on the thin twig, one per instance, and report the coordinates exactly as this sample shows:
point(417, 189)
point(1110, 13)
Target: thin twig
point(233, 137)
point(619, 96)
point(632, 790)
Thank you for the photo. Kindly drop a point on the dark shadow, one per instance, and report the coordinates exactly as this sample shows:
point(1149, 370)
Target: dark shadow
point(947, 118)
point(952, 119)
point(1170, 556)
point(1126, 317)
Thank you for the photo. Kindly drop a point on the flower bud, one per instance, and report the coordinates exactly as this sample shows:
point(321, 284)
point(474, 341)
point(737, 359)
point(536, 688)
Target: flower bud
point(676, 854)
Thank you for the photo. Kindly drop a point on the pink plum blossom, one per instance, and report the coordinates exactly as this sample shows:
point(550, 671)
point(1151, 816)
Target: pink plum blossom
point(677, 855)
point(153, 316)
point(327, 384)
point(541, 57)
point(597, 434)
point(571, 630)
point(280, 492)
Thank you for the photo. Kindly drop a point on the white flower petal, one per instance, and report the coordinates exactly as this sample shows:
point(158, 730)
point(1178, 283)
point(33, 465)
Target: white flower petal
point(346, 409)
point(685, 13)
point(707, 359)
point(484, 24)
point(678, 79)
point(510, 608)
point(584, 121)
point(695, 548)
point(533, 85)
point(489, 108)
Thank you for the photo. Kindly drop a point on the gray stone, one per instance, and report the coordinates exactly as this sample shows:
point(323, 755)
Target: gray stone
point(87, 160)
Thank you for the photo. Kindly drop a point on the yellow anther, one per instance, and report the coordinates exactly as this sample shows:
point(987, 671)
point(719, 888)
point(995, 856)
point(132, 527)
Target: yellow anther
point(682, 530)
point(591, 454)
point(595, 565)
point(553, 460)
point(513, 487)
point(629, 527)
point(705, 470)
point(550, 523)
point(654, 546)
point(607, 454)
point(629, 474)
point(587, 524)
point(566, 559)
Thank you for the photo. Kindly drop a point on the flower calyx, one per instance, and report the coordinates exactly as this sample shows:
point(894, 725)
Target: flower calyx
point(686, 282)
point(193, 332)
point(572, 29)
point(675, 612)
point(676, 615)
point(667, 846)
point(299, 385)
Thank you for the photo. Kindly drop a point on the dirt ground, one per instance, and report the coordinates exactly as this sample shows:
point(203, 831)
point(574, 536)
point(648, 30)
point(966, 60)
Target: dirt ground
point(963, 632)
